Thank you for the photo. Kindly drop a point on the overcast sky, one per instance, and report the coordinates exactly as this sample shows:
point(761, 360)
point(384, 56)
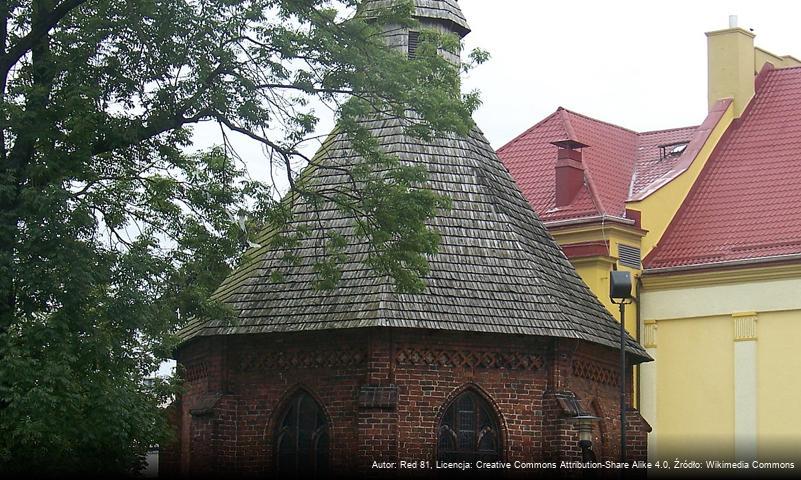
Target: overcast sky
point(638, 64)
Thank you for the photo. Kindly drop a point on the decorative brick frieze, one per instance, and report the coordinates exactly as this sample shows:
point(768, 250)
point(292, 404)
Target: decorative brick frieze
point(384, 393)
point(194, 372)
point(317, 358)
point(592, 370)
point(506, 360)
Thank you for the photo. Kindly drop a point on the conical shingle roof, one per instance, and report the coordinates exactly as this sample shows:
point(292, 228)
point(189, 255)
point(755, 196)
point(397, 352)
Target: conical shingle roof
point(498, 269)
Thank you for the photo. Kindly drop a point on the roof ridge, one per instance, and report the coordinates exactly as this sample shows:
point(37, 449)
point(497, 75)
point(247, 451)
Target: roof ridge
point(599, 121)
point(571, 132)
point(588, 169)
point(527, 131)
point(521, 238)
point(651, 132)
point(596, 199)
point(783, 69)
point(500, 209)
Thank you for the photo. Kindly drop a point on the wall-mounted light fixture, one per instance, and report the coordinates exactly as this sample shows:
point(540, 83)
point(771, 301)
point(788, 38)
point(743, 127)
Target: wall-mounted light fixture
point(585, 423)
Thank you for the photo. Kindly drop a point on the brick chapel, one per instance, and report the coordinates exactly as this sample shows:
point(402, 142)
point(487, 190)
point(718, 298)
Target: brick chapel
point(492, 362)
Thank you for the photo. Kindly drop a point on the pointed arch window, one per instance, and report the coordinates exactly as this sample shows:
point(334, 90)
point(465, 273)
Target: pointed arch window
point(301, 439)
point(469, 431)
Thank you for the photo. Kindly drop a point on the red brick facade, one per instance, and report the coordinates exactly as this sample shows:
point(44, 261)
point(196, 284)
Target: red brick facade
point(383, 393)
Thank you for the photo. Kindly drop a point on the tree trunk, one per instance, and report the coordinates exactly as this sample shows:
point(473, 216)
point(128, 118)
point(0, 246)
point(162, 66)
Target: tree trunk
point(16, 160)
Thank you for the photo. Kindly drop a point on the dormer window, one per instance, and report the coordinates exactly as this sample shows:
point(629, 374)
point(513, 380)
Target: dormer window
point(672, 149)
point(414, 41)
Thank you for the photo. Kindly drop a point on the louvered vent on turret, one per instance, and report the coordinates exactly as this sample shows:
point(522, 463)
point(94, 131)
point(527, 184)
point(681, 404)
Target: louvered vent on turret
point(414, 41)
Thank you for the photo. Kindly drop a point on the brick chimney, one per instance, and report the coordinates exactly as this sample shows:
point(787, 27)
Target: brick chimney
point(569, 171)
point(731, 65)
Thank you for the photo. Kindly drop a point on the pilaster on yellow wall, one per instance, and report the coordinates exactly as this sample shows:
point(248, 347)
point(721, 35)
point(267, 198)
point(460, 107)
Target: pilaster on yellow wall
point(647, 387)
point(745, 386)
point(724, 374)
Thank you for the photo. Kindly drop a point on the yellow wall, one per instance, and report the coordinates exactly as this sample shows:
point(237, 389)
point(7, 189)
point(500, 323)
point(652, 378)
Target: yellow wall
point(762, 56)
point(659, 208)
point(695, 407)
point(595, 270)
point(711, 390)
point(691, 390)
point(731, 67)
point(779, 370)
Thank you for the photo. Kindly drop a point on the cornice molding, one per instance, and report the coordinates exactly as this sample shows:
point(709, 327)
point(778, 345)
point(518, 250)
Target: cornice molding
point(653, 281)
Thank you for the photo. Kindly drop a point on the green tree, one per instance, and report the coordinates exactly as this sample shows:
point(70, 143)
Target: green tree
point(110, 234)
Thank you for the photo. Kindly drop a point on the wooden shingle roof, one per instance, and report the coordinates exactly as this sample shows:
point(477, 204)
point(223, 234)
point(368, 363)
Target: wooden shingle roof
point(498, 269)
point(447, 11)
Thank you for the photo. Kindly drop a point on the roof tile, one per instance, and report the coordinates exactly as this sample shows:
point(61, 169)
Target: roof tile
point(618, 163)
point(747, 202)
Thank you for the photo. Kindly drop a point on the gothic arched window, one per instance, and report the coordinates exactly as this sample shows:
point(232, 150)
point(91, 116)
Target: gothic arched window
point(469, 431)
point(301, 439)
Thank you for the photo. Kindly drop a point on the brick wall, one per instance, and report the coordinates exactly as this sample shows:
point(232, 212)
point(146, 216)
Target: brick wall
point(432, 368)
point(383, 392)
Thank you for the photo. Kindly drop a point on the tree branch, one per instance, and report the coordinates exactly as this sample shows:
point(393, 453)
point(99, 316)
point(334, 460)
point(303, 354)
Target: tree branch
point(157, 125)
point(150, 129)
point(39, 29)
point(285, 154)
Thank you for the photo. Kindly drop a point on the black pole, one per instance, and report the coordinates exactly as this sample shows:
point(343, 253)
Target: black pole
point(622, 382)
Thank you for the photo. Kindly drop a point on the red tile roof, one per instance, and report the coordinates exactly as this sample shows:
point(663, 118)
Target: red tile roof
point(656, 173)
point(746, 204)
point(618, 163)
point(650, 165)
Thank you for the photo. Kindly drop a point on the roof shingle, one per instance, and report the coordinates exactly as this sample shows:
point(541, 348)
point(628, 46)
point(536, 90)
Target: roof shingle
point(445, 10)
point(498, 269)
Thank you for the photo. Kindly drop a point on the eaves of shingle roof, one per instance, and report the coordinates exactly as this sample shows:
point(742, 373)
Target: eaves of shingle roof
point(498, 269)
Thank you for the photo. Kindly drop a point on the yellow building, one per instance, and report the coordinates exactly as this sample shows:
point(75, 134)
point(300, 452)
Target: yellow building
point(708, 219)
